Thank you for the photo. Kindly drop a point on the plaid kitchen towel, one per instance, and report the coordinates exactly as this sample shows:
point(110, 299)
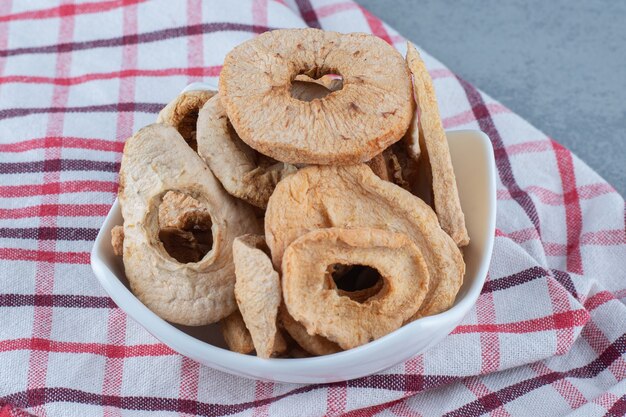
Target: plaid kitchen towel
point(547, 337)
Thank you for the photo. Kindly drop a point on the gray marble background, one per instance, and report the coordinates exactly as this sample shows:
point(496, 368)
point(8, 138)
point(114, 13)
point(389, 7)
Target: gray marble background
point(559, 64)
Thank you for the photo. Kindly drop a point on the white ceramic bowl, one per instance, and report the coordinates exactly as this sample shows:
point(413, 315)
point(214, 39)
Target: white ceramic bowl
point(473, 161)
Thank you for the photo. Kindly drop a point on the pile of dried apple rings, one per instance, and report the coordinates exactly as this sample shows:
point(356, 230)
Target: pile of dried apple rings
point(309, 206)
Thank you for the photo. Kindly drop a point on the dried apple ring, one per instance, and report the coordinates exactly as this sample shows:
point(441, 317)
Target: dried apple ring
point(257, 291)
point(157, 160)
point(238, 338)
point(318, 197)
point(243, 172)
point(236, 334)
point(314, 344)
point(347, 126)
point(394, 255)
point(182, 113)
point(435, 158)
